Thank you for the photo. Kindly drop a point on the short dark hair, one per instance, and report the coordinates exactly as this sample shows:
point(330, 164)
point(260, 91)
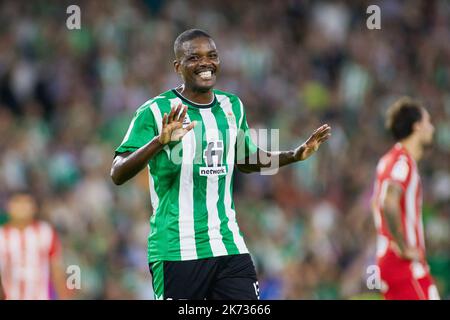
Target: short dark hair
point(187, 36)
point(402, 115)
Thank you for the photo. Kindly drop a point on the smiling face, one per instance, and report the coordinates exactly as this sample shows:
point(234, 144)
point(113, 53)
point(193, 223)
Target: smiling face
point(198, 64)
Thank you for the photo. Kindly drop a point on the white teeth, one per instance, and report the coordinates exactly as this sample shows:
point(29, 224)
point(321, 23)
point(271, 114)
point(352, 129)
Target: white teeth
point(205, 75)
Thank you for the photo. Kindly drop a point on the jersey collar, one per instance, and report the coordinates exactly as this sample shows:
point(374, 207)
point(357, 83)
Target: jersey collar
point(194, 104)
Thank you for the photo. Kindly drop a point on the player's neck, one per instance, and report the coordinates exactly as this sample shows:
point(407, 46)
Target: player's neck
point(199, 97)
point(21, 225)
point(413, 147)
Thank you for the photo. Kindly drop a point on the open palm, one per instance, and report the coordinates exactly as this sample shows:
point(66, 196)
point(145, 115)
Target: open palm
point(313, 143)
point(172, 125)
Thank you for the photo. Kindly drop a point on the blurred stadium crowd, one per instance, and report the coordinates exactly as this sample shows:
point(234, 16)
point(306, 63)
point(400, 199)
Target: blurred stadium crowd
point(67, 97)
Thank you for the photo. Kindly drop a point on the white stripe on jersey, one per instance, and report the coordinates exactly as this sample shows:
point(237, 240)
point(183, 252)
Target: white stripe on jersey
point(212, 189)
point(242, 111)
point(130, 128)
point(188, 249)
point(231, 214)
point(157, 115)
point(14, 251)
point(31, 261)
point(153, 195)
point(410, 206)
point(46, 235)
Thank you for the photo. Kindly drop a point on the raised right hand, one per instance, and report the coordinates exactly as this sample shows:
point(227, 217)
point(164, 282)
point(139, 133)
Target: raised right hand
point(172, 125)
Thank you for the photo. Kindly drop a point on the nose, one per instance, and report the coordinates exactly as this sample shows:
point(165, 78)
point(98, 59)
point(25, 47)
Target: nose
point(204, 61)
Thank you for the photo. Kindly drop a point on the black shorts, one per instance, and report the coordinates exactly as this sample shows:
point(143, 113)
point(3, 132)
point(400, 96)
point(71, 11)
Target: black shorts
point(220, 278)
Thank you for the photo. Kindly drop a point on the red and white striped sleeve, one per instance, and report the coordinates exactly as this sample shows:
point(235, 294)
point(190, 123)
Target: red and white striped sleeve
point(400, 172)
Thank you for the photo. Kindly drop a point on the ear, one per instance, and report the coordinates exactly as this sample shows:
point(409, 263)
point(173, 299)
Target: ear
point(176, 66)
point(416, 126)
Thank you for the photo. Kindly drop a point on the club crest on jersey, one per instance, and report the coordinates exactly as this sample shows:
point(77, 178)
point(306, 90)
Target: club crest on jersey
point(230, 118)
point(213, 156)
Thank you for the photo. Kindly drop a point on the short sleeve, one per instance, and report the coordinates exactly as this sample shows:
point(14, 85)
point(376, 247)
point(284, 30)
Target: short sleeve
point(142, 129)
point(244, 145)
point(400, 172)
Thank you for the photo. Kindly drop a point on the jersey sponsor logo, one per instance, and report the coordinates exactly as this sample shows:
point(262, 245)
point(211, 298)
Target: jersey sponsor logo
point(220, 171)
point(213, 155)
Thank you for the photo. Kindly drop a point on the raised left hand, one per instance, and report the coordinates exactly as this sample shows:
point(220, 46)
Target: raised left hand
point(313, 143)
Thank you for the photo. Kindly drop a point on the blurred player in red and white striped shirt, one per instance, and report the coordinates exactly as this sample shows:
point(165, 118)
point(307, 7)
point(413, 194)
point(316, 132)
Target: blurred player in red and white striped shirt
point(30, 254)
point(397, 206)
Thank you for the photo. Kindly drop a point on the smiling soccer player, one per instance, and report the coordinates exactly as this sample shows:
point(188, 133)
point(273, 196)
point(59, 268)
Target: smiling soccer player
point(191, 138)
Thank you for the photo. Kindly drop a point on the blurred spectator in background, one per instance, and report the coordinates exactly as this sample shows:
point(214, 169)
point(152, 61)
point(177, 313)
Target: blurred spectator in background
point(64, 94)
point(30, 254)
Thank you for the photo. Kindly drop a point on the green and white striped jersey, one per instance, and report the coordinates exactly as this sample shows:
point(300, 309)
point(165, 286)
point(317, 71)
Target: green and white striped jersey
point(191, 181)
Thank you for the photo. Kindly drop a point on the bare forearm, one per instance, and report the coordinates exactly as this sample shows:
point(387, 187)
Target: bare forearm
point(264, 159)
point(60, 286)
point(272, 160)
point(126, 166)
point(392, 218)
point(288, 157)
point(59, 279)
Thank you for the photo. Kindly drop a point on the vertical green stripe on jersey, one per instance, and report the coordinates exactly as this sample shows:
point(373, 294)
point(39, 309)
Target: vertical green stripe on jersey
point(158, 279)
point(230, 106)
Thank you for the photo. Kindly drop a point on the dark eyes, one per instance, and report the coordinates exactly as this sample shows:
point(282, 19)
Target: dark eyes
point(196, 58)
